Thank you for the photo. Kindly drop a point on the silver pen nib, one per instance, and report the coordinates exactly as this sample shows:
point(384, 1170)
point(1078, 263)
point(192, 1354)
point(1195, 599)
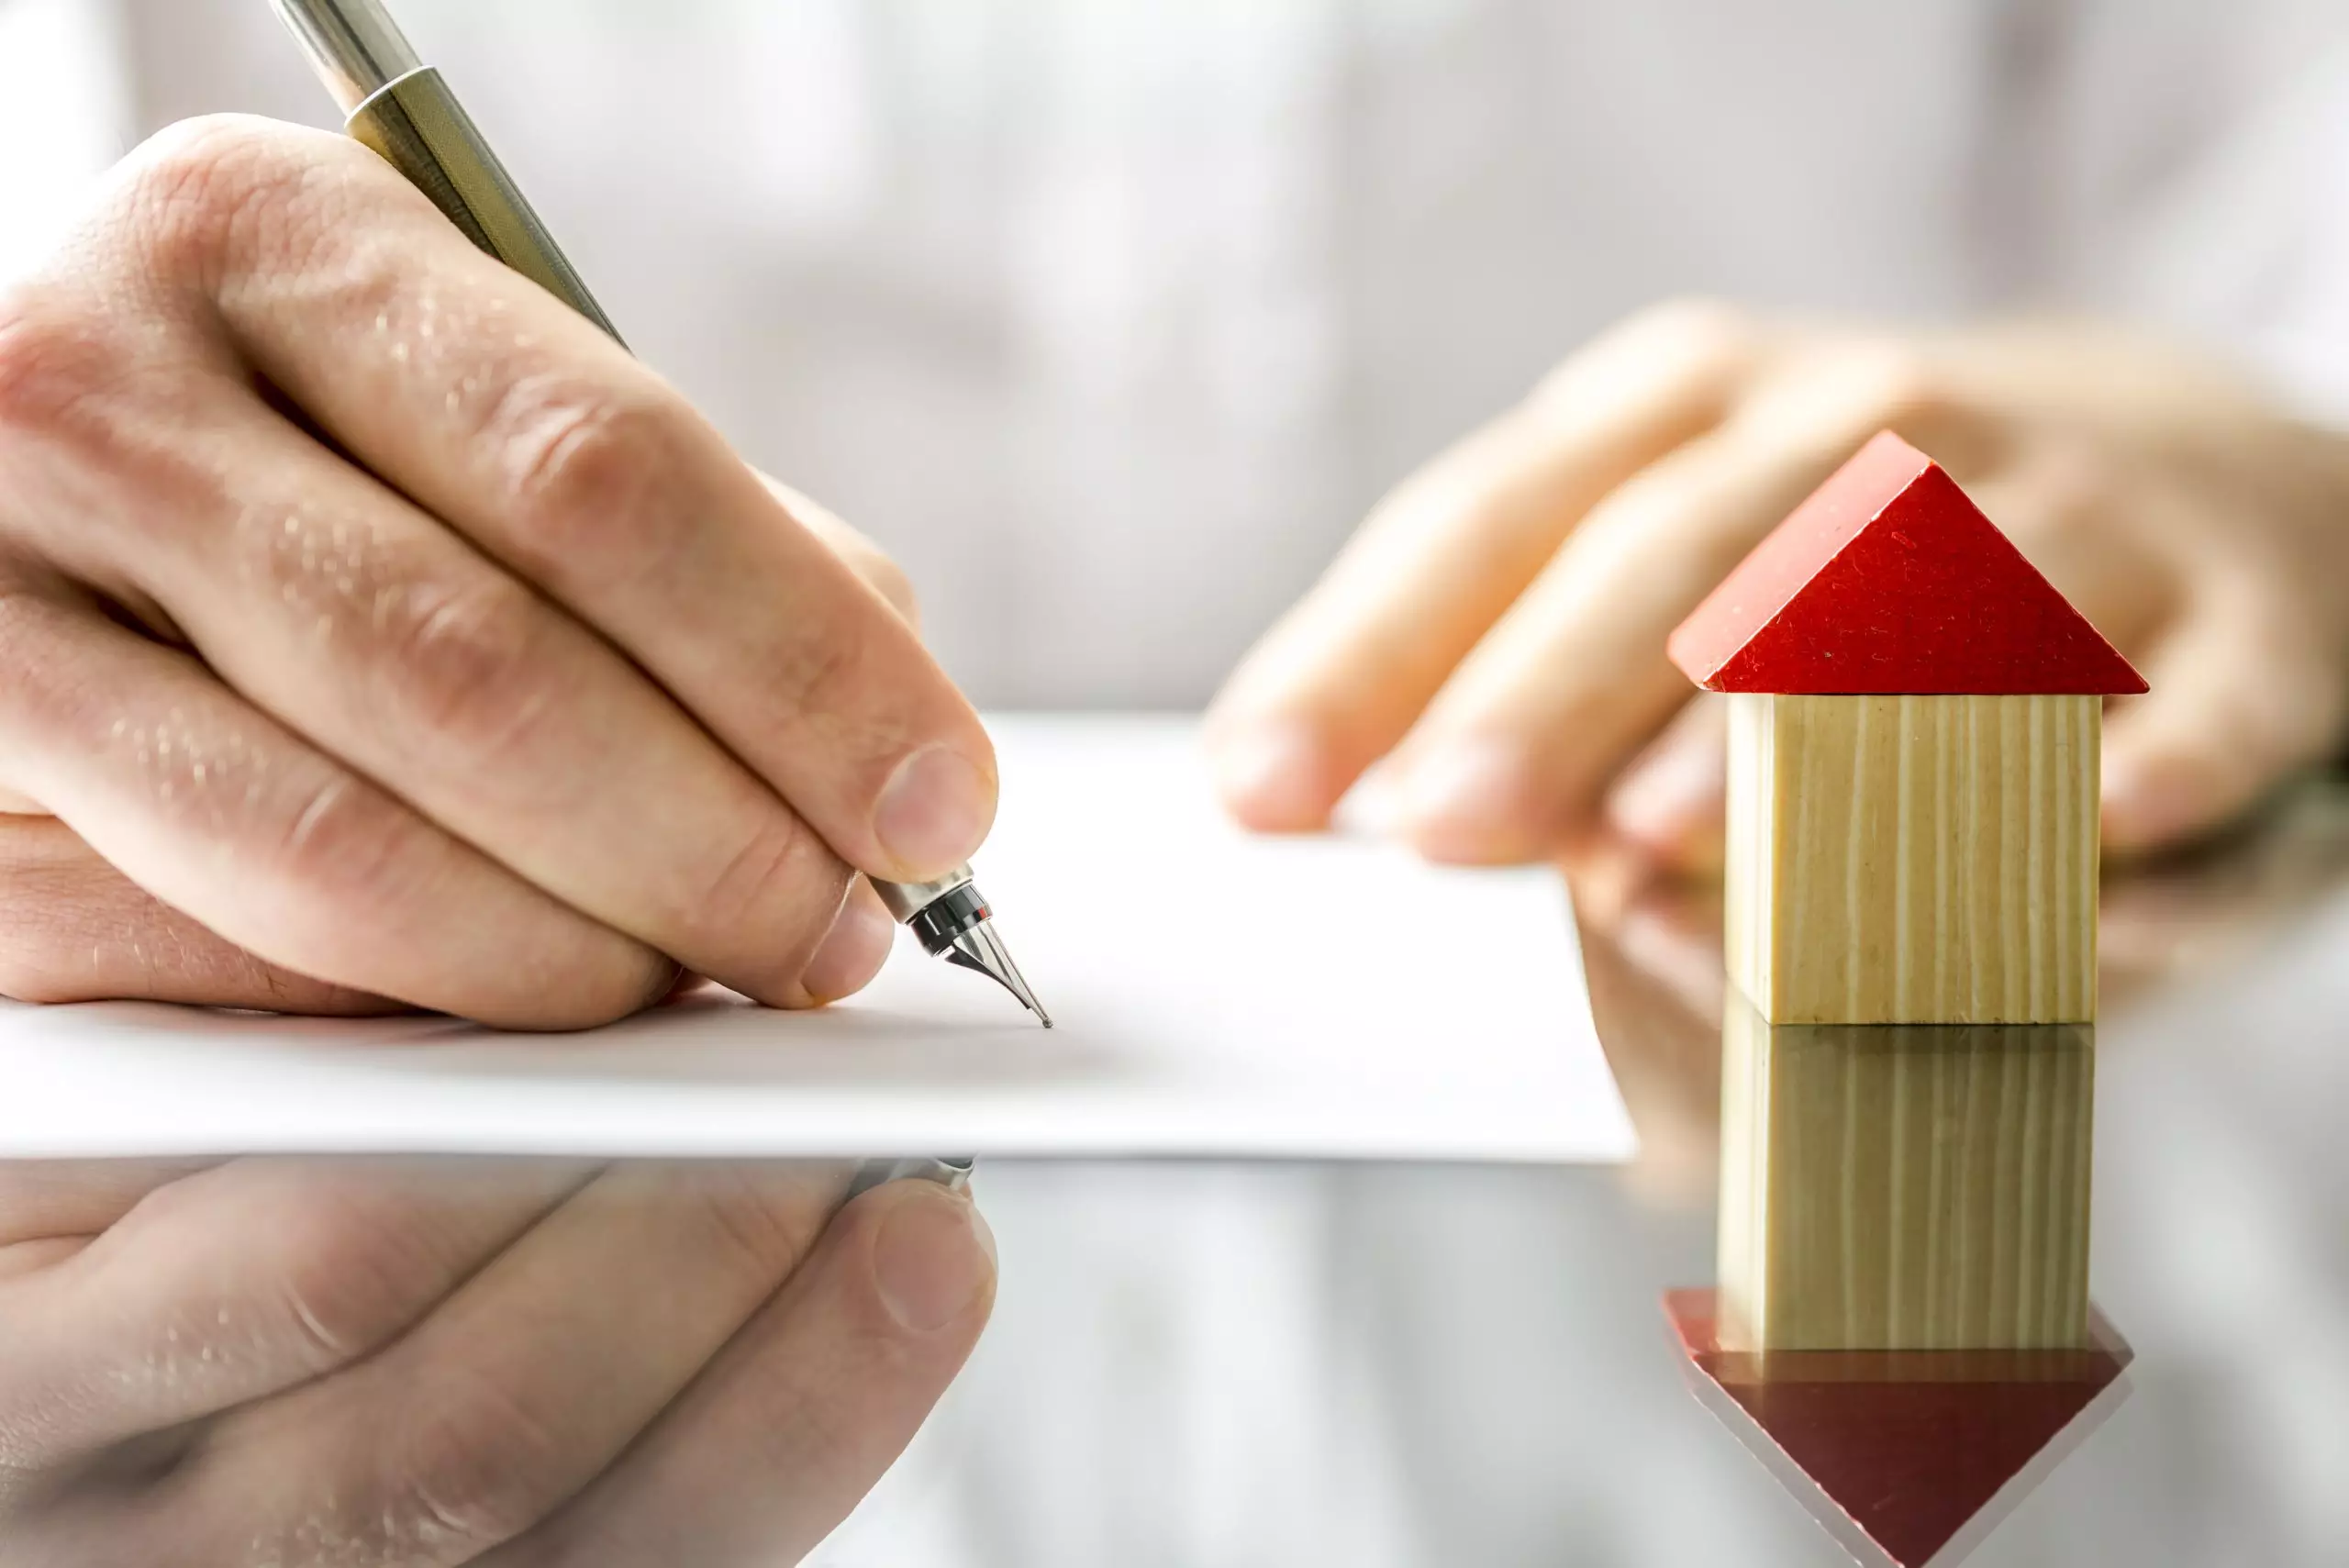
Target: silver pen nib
point(979, 948)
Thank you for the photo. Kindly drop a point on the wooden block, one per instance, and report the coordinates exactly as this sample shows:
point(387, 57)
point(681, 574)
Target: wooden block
point(1887, 579)
point(1914, 859)
point(1904, 1188)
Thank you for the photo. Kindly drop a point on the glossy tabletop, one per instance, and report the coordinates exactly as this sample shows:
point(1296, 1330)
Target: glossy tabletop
point(1277, 1366)
point(1227, 1365)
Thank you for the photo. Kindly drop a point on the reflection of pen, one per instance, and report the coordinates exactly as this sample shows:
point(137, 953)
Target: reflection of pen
point(404, 110)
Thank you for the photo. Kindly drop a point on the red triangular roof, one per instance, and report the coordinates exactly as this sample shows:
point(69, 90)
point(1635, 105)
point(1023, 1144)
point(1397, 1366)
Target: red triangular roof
point(1887, 579)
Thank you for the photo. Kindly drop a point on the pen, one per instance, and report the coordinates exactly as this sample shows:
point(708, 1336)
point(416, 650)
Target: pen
point(401, 107)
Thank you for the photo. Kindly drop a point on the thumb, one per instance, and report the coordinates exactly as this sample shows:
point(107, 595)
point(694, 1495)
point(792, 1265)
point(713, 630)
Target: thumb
point(2239, 699)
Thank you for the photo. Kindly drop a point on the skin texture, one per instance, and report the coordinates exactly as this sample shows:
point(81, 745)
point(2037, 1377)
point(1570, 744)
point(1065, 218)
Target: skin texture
point(388, 636)
point(526, 1364)
point(1493, 637)
point(382, 635)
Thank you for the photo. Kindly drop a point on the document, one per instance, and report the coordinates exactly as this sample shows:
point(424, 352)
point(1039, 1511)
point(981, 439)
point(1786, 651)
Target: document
point(1217, 995)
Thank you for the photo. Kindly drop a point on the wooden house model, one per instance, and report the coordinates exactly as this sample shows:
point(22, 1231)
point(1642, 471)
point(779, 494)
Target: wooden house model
point(1915, 716)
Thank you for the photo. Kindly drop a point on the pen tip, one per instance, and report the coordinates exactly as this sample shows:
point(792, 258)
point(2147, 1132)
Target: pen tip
point(982, 950)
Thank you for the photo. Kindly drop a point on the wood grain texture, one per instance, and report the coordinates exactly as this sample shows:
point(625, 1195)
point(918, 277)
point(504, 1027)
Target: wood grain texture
point(1893, 1187)
point(1914, 859)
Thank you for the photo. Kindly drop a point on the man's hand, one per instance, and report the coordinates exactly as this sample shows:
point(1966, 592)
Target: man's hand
point(1497, 628)
point(379, 632)
point(275, 1361)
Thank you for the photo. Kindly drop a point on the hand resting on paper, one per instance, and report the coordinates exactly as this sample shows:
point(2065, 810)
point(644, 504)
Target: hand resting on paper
point(512, 1363)
point(1496, 631)
point(380, 633)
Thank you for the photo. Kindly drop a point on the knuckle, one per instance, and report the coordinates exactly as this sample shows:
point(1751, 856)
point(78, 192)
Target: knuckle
point(353, 1278)
point(590, 477)
point(222, 191)
point(345, 841)
point(471, 1468)
point(466, 662)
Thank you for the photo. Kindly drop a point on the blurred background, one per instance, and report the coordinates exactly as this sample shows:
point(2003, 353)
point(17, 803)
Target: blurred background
point(1109, 319)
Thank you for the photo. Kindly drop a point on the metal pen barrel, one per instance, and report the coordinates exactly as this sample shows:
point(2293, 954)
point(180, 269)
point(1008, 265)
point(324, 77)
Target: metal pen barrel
point(403, 109)
point(355, 46)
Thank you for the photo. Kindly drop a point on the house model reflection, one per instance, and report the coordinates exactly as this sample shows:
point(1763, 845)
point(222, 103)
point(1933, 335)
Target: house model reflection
point(1901, 1328)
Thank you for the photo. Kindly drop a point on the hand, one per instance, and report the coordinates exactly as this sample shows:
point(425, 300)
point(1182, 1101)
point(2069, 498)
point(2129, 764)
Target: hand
point(380, 633)
point(1496, 631)
point(513, 1363)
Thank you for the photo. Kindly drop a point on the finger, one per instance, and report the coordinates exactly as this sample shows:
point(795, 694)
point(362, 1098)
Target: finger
point(523, 1387)
point(43, 1200)
point(854, 951)
point(1669, 803)
point(336, 606)
point(215, 811)
point(770, 1448)
point(73, 928)
point(2242, 695)
point(503, 412)
point(864, 558)
point(2092, 530)
point(242, 1281)
point(1344, 675)
point(1514, 752)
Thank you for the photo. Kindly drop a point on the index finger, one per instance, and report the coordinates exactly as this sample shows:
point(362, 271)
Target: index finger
point(1344, 675)
point(513, 419)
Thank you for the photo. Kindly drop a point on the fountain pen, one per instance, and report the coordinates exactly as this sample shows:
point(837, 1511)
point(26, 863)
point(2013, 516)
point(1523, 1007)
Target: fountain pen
point(401, 107)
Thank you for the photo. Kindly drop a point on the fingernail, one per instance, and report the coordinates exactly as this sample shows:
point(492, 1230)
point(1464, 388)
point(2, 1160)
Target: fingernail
point(933, 1257)
point(934, 813)
point(853, 952)
point(1471, 801)
point(1271, 777)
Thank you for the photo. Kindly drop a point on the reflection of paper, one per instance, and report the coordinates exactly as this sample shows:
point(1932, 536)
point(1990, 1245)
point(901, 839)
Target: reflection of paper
point(1216, 995)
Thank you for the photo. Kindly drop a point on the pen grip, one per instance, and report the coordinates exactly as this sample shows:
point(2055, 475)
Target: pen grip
point(418, 126)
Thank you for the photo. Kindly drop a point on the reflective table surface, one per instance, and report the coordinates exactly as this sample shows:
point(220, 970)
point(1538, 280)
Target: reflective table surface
point(1217, 1364)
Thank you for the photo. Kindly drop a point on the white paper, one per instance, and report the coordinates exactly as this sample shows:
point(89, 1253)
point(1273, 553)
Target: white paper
point(1216, 995)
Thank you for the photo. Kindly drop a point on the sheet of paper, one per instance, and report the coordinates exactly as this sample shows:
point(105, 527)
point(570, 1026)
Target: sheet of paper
point(1217, 995)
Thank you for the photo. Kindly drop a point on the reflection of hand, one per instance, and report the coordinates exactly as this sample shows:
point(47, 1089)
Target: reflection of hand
point(1499, 622)
point(368, 611)
point(270, 1362)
